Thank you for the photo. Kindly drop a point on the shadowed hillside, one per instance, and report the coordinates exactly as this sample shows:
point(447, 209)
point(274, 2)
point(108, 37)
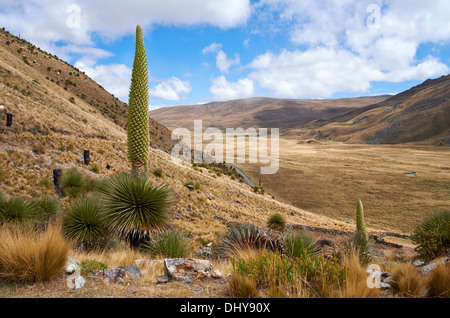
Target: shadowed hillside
point(259, 112)
point(418, 115)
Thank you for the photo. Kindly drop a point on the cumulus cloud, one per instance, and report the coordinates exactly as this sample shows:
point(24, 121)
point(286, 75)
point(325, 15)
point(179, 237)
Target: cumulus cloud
point(223, 63)
point(48, 21)
point(343, 53)
point(172, 89)
point(115, 78)
point(224, 90)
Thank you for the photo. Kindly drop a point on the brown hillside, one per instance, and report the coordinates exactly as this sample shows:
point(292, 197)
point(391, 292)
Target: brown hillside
point(74, 103)
point(419, 115)
point(259, 112)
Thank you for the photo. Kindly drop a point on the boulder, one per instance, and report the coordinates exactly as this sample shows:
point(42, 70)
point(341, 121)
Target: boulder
point(182, 268)
point(79, 283)
point(72, 265)
point(162, 279)
point(118, 275)
point(217, 274)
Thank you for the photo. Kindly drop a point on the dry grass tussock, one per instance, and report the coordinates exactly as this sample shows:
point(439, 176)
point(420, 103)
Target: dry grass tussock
point(29, 256)
point(407, 281)
point(439, 281)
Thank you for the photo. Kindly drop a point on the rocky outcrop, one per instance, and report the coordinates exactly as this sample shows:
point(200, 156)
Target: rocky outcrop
point(182, 268)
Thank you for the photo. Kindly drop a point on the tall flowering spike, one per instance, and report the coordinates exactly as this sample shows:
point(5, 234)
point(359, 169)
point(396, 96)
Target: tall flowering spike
point(138, 117)
point(363, 236)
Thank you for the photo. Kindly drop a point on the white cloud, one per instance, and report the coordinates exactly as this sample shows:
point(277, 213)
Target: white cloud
point(321, 72)
point(223, 63)
point(45, 21)
point(246, 43)
point(342, 54)
point(213, 48)
point(171, 89)
point(224, 90)
point(114, 78)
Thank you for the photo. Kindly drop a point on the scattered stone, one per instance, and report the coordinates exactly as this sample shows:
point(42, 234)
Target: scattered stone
point(191, 187)
point(182, 268)
point(72, 265)
point(293, 213)
point(162, 279)
point(198, 290)
point(133, 270)
point(432, 266)
point(80, 281)
point(217, 274)
point(187, 281)
point(118, 275)
point(418, 263)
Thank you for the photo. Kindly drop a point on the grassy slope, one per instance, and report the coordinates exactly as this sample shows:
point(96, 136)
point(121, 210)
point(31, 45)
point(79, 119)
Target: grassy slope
point(51, 132)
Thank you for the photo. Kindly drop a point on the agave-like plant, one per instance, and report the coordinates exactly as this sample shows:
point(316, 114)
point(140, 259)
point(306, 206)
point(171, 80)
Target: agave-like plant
point(171, 244)
point(138, 118)
point(73, 182)
point(133, 206)
point(299, 245)
point(248, 236)
point(17, 211)
point(47, 206)
point(433, 236)
point(85, 223)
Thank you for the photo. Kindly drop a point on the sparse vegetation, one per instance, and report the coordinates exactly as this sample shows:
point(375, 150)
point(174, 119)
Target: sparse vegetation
point(169, 244)
point(300, 245)
point(433, 236)
point(277, 222)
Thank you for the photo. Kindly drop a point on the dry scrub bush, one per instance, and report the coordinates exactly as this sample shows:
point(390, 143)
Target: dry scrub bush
point(28, 256)
point(355, 285)
point(407, 281)
point(243, 287)
point(439, 281)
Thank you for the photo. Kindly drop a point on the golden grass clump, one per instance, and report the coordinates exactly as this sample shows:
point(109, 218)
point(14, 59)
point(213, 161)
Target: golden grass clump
point(407, 281)
point(355, 285)
point(29, 256)
point(243, 287)
point(439, 281)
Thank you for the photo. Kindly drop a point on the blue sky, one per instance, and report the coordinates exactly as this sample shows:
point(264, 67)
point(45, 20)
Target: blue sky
point(205, 50)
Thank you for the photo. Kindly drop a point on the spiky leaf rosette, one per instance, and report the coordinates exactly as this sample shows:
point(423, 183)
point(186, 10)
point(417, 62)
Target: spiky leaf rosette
point(17, 211)
point(85, 221)
point(134, 206)
point(300, 245)
point(362, 235)
point(138, 118)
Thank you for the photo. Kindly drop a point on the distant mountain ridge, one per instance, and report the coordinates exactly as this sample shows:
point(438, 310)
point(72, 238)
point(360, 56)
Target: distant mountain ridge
point(260, 112)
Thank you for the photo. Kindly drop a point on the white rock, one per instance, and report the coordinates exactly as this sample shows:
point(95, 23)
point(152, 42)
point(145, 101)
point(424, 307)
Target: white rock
point(80, 281)
point(72, 265)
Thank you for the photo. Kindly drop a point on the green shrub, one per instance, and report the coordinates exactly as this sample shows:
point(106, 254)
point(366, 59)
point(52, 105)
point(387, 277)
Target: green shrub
point(73, 182)
point(95, 169)
point(300, 245)
point(172, 244)
point(45, 183)
point(270, 270)
point(134, 206)
point(47, 206)
point(85, 223)
point(158, 173)
point(277, 222)
point(433, 236)
point(17, 211)
point(90, 266)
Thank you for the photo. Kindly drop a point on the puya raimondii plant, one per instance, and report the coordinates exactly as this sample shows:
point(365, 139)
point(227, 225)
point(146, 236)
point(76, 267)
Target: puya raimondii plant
point(361, 231)
point(138, 118)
